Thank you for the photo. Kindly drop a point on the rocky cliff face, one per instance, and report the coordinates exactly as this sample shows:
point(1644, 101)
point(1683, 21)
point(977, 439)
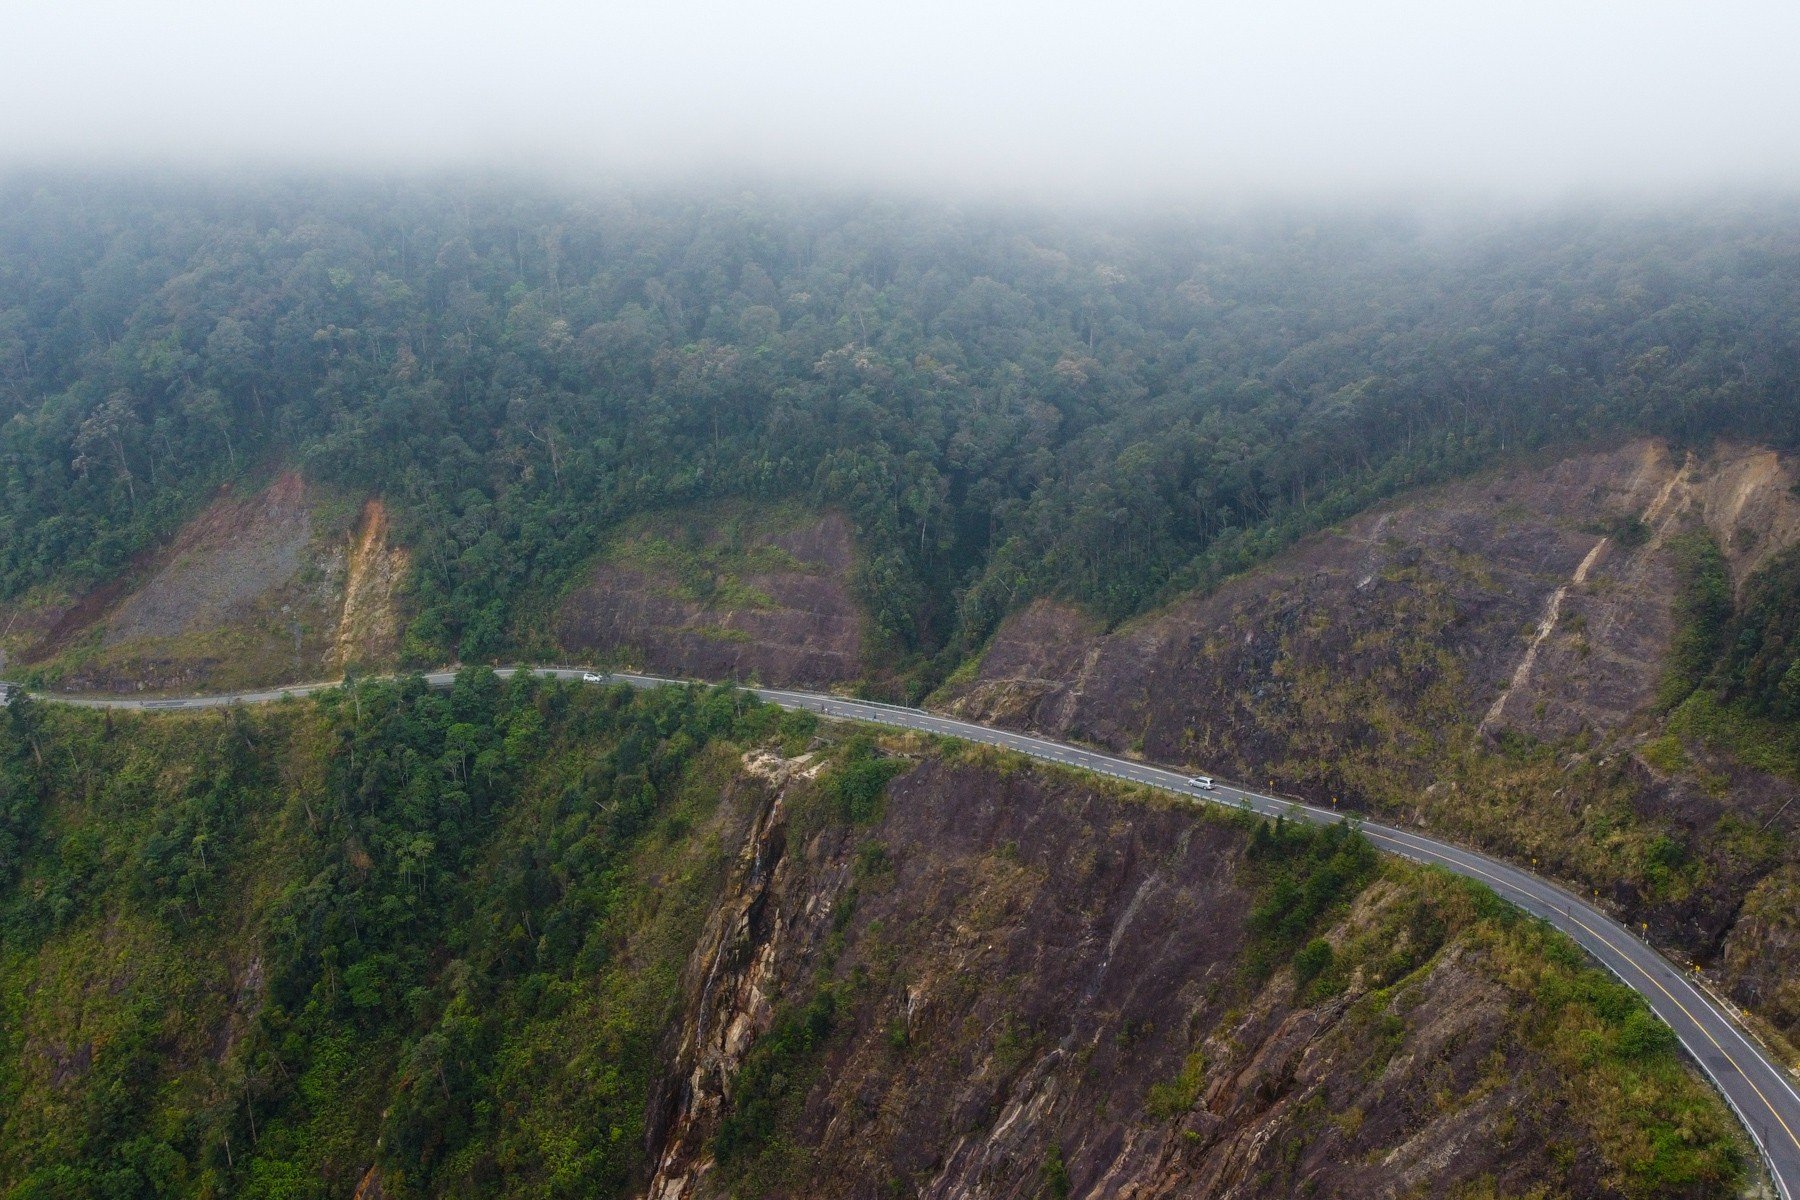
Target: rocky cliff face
point(1033, 988)
point(1416, 660)
point(770, 604)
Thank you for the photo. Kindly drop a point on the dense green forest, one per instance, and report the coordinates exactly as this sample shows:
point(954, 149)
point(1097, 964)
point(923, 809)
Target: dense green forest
point(1732, 681)
point(1760, 664)
point(453, 920)
point(1006, 403)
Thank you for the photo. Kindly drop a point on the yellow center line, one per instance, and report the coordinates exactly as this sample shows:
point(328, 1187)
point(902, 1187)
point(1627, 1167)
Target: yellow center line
point(1673, 999)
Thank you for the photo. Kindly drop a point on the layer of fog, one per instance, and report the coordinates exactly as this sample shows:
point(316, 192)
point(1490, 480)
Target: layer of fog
point(1527, 98)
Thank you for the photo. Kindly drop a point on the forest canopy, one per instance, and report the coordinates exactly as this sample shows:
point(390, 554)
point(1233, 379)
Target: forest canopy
point(1007, 404)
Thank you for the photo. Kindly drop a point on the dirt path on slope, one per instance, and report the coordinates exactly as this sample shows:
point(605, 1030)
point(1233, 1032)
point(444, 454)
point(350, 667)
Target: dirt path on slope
point(1544, 630)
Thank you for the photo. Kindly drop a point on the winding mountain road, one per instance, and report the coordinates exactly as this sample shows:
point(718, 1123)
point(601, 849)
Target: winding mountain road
point(1760, 1091)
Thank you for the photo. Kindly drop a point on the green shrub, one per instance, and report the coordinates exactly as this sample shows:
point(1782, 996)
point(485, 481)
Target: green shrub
point(1056, 1174)
point(1177, 1097)
point(1665, 754)
point(1702, 613)
point(857, 785)
point(1301, 876)
point(1314, 960)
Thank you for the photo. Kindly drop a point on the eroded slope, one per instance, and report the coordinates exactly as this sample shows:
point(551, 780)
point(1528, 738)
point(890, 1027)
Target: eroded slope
point(764, 598)
point(1484, 572)
point(1483, 659)
point(280, 585)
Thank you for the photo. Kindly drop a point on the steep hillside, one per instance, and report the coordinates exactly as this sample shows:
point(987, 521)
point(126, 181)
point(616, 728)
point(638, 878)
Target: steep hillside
point(1010, 984)
point(760, 595)
point(283, 584)
point(534, 940)
point(1491, 659)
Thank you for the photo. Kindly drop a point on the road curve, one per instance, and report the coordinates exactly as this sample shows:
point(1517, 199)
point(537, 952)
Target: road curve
point(1758, 1089)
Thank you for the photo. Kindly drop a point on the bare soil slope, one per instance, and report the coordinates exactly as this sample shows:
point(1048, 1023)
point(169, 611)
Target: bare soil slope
point(257, 589)
point(764, 599)
point(1481, 659)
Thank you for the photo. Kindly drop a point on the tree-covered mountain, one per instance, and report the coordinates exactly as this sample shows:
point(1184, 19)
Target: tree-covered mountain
point(1007, 405)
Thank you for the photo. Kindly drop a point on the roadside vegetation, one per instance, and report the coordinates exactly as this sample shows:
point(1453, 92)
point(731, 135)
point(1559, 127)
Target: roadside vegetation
point(1672, 817)
point(1333, 919)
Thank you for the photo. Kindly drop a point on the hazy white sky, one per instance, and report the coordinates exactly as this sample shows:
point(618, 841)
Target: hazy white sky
point(1526, 97)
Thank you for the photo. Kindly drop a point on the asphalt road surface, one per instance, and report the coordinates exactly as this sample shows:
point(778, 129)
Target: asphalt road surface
point(1760, 1091)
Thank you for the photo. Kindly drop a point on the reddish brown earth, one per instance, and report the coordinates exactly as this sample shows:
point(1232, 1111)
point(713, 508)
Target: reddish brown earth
point(1386, 664)
point(1029, 958)
point(805, 628)
point(251, 591)
point(368, 627)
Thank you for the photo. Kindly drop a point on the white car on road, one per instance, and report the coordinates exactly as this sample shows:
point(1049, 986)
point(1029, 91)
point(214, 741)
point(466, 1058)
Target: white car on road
point(590, 677)
point(1203, 782)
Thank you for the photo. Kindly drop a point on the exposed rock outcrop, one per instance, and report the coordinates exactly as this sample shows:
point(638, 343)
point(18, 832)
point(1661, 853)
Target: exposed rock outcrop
point(1019, 961)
